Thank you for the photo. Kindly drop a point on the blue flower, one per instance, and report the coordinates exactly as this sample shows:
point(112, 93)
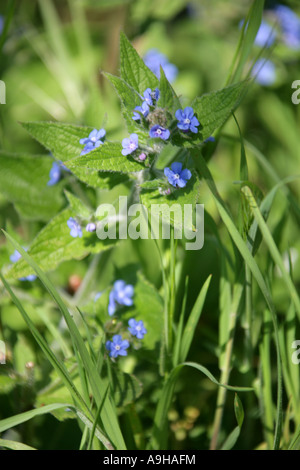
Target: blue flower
point(150, 96)
point(177, 177)
point(92, 141)
point(144, 110)
point(75, 228)
point(187, 120)
point(91, 227)
point(158, 131)
point(55, 174)
point(136, 328)
point(155, 59)
point(290, 25)
point(117, 347)
point(266, 35)
point(264, 72)
point(121, 294)
point(14, 258)
point(130, 144)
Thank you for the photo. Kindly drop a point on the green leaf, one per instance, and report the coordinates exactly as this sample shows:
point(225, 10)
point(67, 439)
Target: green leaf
point(168, 98)
point(108, 157)
point(257, 275)
point(126, 388)
point(108, 416)
point(248, 35)
point(159, 434)
point(234, 435)
point(133, 69)
point(192, 322)
point(78, 207)
point(231, 439)
point(213, 109)
point(23, 417)
point(54, 244)
point(239, 410)
point(272, 247)
point(23, 181)
point(62, 140)
point(7, 384)
point(129, 100)
point(14, 445)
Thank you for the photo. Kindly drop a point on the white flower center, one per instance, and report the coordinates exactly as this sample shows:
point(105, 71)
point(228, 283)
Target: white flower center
point(187, 121)
point(93, 139)
point(158, 131)
point(138, 328)
point(117, 347)
point(132, 146)
point(176, 176)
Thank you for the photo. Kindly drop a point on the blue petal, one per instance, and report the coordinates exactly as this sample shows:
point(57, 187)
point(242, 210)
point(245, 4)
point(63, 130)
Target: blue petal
point(185, 174)
point(176, 167)
point(181, 183)
point(188, 112)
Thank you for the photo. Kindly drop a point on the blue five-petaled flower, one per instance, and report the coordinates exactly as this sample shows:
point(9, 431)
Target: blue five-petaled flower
point(137, 328)
point(121, 294)
point(143, 109)
point(117, 347)
point(130, 144)
point(160, 132)
point(75, 227)
point(186, 120)
point(93, 141)
point(177, 177)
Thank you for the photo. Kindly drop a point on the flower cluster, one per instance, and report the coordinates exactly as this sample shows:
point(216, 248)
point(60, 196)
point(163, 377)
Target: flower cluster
point(76, 229)
point(149, 98)
point(118, 346)
point(93, 141)
point(122, 295)
point(288, 31)
point(157, 119)
point(290, 26)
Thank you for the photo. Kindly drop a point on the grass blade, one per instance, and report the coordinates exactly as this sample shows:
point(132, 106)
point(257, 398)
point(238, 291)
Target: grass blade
point(109, 418)
point(192, 322)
